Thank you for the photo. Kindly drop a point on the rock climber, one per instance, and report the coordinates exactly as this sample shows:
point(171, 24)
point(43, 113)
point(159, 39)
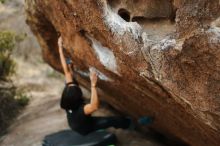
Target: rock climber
point(78, 112)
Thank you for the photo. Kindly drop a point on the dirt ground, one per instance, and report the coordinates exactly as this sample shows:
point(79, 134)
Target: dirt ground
point(43, 114)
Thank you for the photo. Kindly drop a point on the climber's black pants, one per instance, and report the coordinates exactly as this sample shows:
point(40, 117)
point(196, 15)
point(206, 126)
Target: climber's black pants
point(106, 122)
point(89, 124)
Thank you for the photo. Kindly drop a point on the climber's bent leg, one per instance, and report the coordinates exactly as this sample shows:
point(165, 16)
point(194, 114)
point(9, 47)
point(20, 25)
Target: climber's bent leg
point(106, 122)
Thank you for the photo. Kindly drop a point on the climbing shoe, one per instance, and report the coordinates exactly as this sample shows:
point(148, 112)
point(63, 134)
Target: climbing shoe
point(145, 120)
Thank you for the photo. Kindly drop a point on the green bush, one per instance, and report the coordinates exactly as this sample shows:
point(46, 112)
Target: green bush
point(7, 44)
point(9, 106)
point(10, 98)
point(22, 98)
point(2, 1)
point(20, 37)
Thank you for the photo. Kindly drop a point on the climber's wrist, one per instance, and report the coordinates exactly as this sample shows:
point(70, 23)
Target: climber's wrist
point(60, 47)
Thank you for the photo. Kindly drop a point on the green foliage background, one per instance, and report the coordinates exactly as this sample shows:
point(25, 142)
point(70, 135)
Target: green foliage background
point(11, 99)
point(2, 1)
point(7, 44)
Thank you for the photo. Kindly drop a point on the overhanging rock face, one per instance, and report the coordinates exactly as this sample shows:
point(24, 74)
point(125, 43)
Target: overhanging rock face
point(159, 58)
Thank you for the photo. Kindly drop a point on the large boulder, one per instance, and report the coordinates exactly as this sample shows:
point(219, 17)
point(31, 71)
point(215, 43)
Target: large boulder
point(159, 58)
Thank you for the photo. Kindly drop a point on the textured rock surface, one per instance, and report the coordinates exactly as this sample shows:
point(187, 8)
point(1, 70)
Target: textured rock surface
point(159, 58)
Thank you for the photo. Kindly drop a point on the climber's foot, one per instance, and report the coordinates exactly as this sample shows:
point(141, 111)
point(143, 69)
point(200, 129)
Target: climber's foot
point(145, 120)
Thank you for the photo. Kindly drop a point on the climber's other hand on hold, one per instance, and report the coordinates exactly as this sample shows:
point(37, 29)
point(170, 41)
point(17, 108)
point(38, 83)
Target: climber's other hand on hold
point(93, 77)
point(60, 42)
point(94, 101)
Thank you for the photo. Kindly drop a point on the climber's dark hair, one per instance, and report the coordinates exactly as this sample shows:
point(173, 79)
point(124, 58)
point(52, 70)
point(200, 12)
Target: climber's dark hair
point(71, 98)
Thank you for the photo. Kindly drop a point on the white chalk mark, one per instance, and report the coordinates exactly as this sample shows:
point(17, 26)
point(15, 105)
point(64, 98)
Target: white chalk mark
point(105, 55)
point(101, 76)
point(215, 37)
point(119, 25)
point(83, 73)
point(167, 43)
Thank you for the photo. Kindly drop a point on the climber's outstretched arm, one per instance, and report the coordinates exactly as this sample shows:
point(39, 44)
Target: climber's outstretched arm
point(67, 72)
point(94, 102)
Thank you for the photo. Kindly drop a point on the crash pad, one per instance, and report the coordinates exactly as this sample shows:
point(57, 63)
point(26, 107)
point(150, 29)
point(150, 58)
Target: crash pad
point(72, 138)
